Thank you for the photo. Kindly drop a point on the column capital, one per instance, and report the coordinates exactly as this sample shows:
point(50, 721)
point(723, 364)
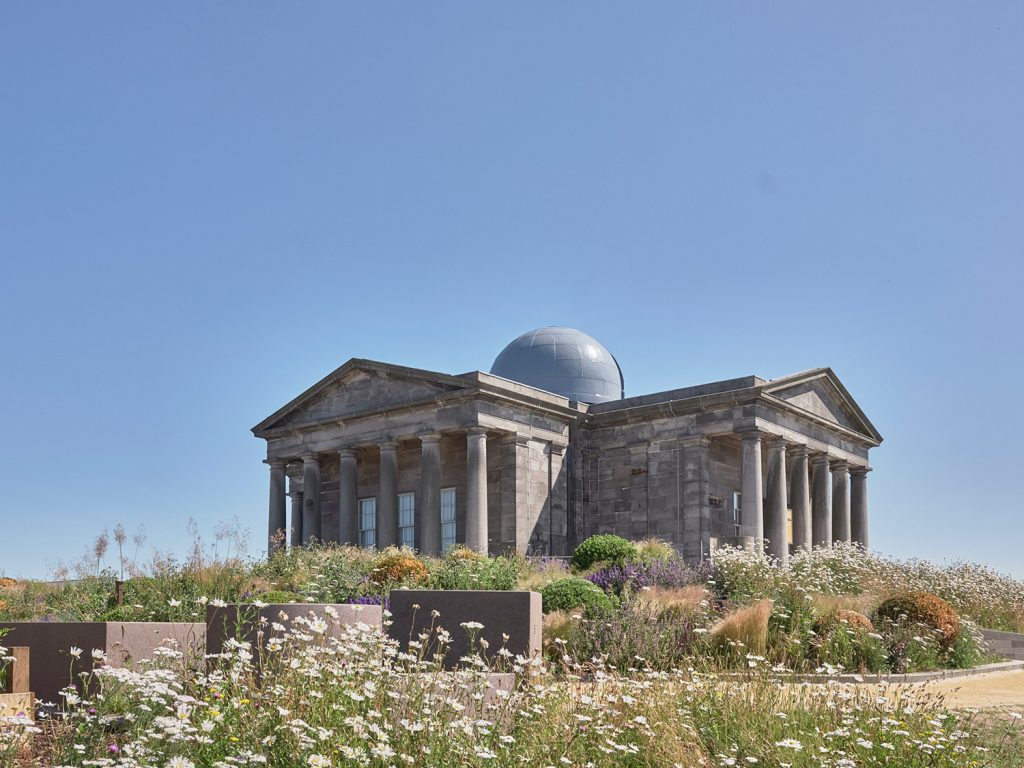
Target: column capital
point(428, 438)
point(308, 457)
point(775, 442)
point(750, 434)
point(858, 471)
point(820, 458)
point(276, 463)
point(840, 465)
point(799, 450)
point(477, 431)
point(388, 445)
point(348, 453)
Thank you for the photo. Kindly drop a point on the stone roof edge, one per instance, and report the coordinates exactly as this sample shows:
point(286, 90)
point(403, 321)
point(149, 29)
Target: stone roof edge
point(356, 364)
point(464, 386)
point(745, 396)
point(825, 373)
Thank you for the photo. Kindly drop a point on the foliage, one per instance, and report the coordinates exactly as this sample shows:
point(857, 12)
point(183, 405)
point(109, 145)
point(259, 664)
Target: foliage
point(670, 572)
point(573, 592)
point(923, 608)
point(276, 596)
point(458, 571)
point(643, 633)
point(602, 548)
point(347, 697)
point(398, 568)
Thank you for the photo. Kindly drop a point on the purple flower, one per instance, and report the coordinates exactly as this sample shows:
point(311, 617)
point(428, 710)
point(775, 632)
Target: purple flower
point(383, 602)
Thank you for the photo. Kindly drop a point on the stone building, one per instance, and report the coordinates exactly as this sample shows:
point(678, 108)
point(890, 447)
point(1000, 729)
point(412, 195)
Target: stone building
point(545, 450)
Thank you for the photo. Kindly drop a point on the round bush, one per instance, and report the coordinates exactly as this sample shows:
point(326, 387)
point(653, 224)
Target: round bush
point(923, 608)
point(605, 547)
point(572, 592)
point(857, 622)
point(460, 552)
point(398, 568)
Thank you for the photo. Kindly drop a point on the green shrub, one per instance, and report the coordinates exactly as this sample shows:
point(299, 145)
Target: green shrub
point(846, 640)
point(475, 572)
point(603, 548)
point(573, 592)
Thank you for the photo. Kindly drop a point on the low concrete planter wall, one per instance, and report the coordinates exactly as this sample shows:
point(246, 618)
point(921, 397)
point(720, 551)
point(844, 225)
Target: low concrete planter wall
point(1009, 645)
point(242, 621)
point(121, 641)
point(516, 614)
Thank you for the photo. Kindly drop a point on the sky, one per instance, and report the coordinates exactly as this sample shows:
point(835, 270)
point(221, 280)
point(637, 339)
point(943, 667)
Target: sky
point(207, 207)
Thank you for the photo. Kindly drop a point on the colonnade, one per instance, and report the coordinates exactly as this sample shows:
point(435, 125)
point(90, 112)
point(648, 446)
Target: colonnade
point(827, 496)
point(306, 514)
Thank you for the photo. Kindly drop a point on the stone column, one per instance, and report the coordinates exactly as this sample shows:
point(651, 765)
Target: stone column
point(800, 501)
point(821, 502)
point(776, 529)
point(476, 489)
point(310, 498)
point(430, 493)
point(840, 502)
point(752, 503)
point(387, 504)
point(348, 498)
point(859, 505)
point(296, 496)
point(277, 519)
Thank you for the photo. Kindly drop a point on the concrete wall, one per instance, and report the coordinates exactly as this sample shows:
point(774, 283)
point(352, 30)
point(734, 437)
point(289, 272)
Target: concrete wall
point(122, 641)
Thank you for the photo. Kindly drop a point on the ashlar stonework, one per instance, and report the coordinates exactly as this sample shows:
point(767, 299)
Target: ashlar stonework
point(378, 454)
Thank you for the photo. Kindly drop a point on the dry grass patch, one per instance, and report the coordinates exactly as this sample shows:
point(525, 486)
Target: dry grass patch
point(747, 627)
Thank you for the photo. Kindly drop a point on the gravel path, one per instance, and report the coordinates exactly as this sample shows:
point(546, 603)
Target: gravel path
point(1004, 690)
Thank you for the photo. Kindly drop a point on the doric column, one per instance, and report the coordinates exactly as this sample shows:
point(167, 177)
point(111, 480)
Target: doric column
point(840, 502)
point(476, 489)
point(387, 505)
point(430, 493)
point(800, 498)
point(310, 498)
point(277, 518)
point(859, 505)
point(821, 502)
point(752, 503)
point(775, 515)
point(296, 495)
point(348, 498)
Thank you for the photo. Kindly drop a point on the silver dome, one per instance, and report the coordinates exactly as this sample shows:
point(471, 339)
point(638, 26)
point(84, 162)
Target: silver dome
point(564, 361)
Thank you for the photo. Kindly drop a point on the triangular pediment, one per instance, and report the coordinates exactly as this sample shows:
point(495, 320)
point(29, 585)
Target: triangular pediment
point(359, 387)
point(820, 393)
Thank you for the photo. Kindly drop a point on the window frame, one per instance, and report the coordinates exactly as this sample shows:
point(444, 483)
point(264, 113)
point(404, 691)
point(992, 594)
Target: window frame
point(367, 534)
point(449, 525)
point(407, 533)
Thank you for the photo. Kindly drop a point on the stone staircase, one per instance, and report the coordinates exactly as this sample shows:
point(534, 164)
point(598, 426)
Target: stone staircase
point(1009, 645)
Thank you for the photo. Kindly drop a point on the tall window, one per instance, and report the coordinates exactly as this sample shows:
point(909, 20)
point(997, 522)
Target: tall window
point(737, 510)
point(407, 519)
point(447, 518)
point(368, 522)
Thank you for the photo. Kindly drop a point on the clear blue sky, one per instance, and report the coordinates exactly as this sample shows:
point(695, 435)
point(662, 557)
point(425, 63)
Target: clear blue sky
point(205, 207)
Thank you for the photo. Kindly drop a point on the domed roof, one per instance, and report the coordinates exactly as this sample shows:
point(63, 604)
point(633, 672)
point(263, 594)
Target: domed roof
point(564, 361)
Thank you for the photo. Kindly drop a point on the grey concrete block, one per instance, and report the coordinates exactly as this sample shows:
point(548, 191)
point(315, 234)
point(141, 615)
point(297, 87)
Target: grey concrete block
point(123, 642)
point(516, 614)
point(242, 622)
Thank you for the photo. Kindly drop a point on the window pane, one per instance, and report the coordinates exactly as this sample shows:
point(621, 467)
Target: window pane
point(407, 520)
point(368, 522)
point(447, 518)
